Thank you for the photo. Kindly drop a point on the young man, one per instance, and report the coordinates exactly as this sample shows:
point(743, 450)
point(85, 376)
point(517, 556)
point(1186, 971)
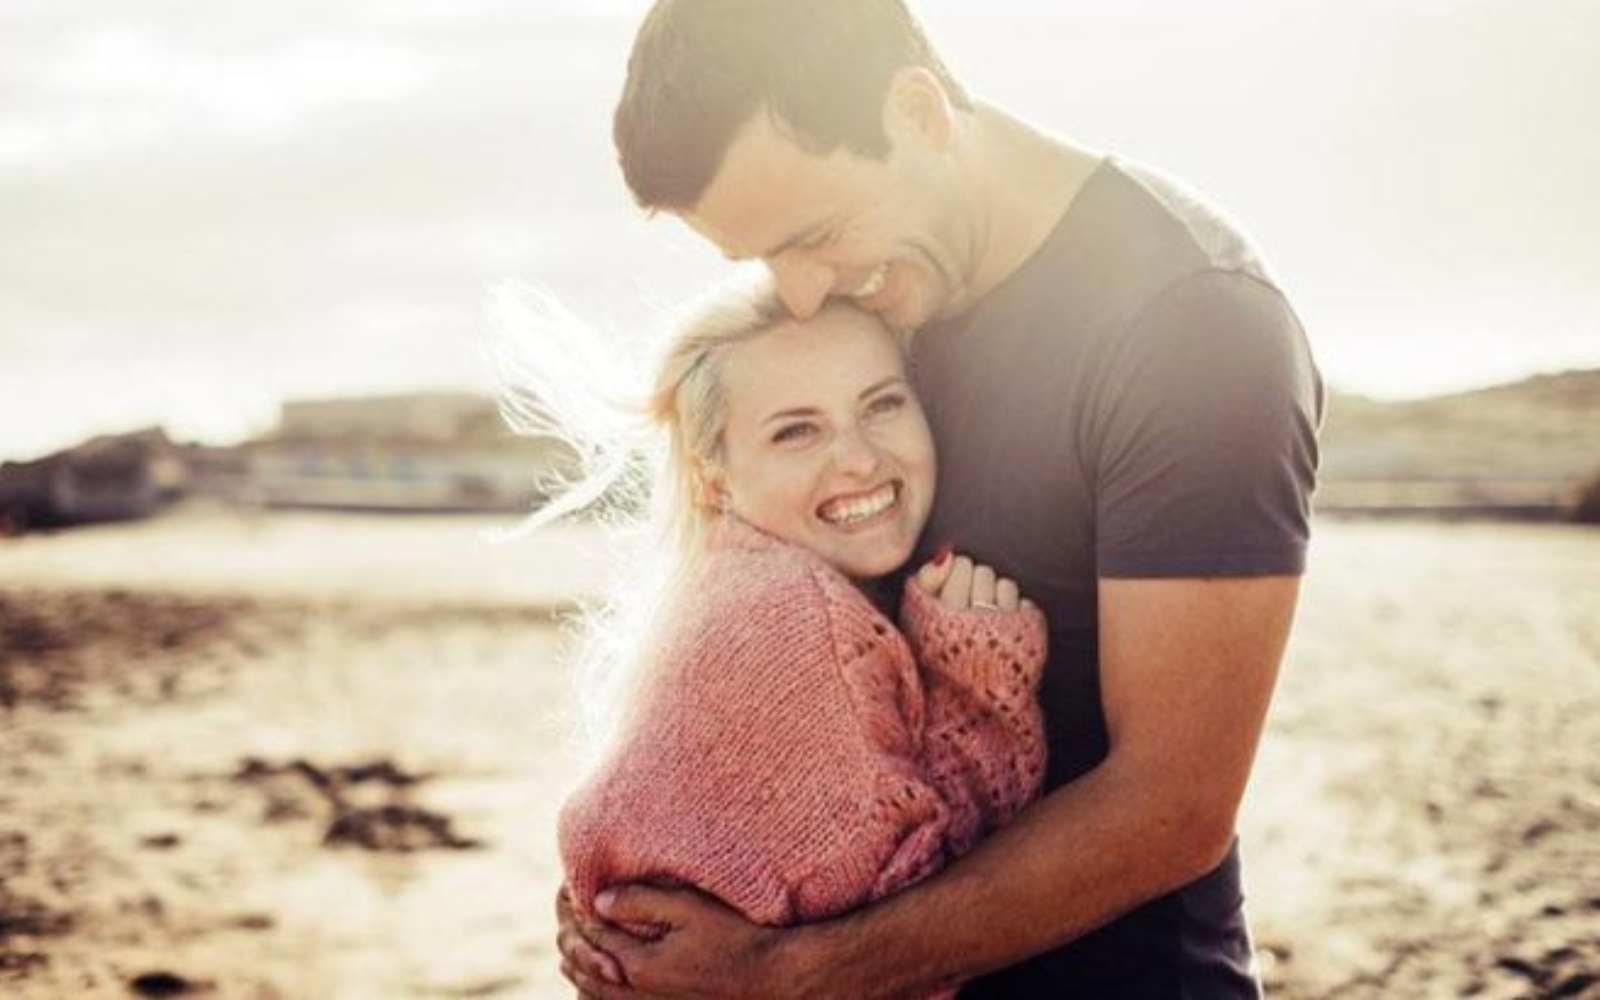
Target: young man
point(1126, 413)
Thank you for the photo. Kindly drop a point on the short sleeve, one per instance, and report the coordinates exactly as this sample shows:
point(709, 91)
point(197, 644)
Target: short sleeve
point(1204, 438)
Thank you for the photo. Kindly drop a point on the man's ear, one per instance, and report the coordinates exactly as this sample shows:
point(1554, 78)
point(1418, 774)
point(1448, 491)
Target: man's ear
point(917, 109)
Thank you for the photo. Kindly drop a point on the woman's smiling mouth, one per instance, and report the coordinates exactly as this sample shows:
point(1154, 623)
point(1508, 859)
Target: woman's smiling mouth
point(848, 510)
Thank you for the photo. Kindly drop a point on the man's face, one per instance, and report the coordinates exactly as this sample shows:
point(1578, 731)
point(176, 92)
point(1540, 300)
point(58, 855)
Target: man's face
point(890, 235)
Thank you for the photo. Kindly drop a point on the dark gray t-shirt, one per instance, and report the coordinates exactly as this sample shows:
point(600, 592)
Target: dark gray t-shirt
point(1137, 400)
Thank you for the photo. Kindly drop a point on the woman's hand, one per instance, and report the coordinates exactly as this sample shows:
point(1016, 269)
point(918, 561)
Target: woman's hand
point(963, 585)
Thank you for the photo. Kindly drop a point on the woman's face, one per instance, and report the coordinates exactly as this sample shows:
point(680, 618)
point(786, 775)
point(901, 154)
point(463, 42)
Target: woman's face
point(825, 445)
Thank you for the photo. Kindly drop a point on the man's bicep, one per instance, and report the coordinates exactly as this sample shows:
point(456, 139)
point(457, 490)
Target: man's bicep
point(1206, 454)
point(1188, 667)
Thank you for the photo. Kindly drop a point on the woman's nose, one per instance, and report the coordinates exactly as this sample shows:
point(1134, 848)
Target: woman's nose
point(854, 453)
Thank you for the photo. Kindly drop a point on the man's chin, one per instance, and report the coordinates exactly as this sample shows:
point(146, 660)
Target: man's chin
point(916, 307)
point(902, 316)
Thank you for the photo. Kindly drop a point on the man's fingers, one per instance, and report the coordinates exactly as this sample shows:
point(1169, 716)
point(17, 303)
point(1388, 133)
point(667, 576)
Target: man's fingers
point(639, 905)
point(590, 988)
point(629, 911)
point(584, 956)
point(957, 592)
point(643, 913)
point(573, 941)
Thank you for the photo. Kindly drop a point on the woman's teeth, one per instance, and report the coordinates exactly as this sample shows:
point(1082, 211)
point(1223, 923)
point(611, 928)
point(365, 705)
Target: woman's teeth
point(859, 508)
point(873, 284)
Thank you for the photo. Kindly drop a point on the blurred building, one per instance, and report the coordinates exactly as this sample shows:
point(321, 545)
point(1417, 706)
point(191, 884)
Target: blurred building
point(414, 452)
point(413, 419)
point(417, 452)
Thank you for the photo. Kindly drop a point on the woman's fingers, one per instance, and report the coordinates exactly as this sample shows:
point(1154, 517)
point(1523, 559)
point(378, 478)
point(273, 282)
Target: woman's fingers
point(933, 574)
point(1006, 594)
point(983, 585)
point(957, 592)
point(961, 584)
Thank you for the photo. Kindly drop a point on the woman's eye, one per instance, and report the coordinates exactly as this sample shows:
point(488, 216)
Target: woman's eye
point(793, 433)
point(889, 402)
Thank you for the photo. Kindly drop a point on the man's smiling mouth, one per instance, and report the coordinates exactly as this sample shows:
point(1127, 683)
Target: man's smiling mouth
point(873, 283)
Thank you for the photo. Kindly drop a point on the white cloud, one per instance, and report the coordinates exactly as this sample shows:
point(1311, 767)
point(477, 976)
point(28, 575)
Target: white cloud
point(122, 86)
point(252, 199)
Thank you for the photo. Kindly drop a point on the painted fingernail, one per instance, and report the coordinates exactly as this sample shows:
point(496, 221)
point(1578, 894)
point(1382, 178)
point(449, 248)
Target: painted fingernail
point(942, 554)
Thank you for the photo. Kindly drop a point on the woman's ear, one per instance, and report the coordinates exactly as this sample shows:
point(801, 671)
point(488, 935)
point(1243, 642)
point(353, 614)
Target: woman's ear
point(710, 492)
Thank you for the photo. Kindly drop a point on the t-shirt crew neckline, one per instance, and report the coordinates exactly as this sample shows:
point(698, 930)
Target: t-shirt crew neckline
point(1064, 224)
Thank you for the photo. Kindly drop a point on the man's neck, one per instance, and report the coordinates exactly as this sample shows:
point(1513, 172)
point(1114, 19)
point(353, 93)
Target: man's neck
point(1023, 181)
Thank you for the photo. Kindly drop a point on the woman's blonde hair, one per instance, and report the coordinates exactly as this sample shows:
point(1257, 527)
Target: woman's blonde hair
point(566, 380)
point(642, 441)
point(688, 400)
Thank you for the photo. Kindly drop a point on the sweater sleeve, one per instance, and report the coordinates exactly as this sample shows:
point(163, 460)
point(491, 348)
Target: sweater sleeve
point(901, 830)
point(773, 759)
point(984, 744)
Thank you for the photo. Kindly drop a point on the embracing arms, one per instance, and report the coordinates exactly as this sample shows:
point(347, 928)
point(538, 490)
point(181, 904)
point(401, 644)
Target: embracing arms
point(1188, 668)
point(786, 757)
point(1204, 466)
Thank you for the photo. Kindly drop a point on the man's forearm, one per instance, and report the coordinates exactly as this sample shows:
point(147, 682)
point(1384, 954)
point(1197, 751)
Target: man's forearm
point(1187, 672)
point(1188, 668)
point(1074, 861)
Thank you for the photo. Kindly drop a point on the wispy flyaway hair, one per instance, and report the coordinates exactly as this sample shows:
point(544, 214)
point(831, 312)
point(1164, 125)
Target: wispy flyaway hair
point(643, 435)
point(637, 427)
point(577, 384)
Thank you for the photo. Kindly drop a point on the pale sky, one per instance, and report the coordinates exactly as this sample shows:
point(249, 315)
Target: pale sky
point(207, 206)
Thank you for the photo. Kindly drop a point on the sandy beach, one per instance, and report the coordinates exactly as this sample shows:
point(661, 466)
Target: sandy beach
point(268, 756)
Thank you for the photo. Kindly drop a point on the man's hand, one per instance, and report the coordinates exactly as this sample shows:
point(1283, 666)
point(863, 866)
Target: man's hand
point(707, 950)
point(1187, 670)
point(585, 966)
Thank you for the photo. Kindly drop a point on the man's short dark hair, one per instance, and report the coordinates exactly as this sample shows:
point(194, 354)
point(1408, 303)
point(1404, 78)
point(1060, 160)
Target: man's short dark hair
point(700, 69)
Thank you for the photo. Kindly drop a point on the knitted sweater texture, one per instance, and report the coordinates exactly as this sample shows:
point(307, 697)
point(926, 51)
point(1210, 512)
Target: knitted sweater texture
point(788, 755)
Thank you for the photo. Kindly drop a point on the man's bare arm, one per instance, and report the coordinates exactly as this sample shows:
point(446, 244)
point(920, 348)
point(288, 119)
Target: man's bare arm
point(1187, 672)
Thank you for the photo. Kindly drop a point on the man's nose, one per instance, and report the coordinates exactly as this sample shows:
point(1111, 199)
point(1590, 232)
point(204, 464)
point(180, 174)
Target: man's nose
point(803, 285)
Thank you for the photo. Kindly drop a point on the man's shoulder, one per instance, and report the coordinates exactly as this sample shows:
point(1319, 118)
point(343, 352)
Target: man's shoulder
point(1131, 235)
point(1206, 237)
point(1182, 270)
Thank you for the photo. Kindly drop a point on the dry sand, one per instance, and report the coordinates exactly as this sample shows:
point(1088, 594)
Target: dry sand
point(297, 756)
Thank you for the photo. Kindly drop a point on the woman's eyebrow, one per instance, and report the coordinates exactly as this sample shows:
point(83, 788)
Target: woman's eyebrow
point(882, 384)
point(868, 392)
point(791, 413)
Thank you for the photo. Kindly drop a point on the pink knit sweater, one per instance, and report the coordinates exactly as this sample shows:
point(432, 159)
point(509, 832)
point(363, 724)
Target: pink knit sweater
point(788, 756)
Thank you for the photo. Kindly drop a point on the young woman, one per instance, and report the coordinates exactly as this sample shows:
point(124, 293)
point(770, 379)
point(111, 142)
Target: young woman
point(786, 748)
